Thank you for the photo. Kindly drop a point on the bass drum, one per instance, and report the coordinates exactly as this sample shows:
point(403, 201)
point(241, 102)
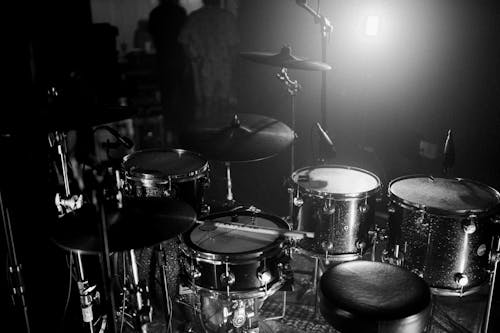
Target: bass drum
point(440, 227)
point(337, 203)
point(233, 263)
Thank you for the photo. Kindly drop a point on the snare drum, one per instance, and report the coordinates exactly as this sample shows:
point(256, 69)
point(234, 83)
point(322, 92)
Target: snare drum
point(174, 173)
point(337, 203)
point(440, 228)
point(233, 263)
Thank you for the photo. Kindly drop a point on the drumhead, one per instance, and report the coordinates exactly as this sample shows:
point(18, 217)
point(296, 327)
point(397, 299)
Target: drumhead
point(454, 195)
point(164, 164)
point(216, 240)
point(337, 180)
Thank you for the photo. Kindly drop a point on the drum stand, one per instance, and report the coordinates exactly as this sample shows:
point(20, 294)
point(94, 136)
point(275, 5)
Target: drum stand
point(494, 259)
point(14, 268)
point(143, 312)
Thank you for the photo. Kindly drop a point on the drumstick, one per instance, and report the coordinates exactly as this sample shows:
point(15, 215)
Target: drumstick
point(261, 230)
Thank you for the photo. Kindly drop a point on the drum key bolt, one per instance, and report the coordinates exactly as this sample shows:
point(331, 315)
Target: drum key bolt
point(363, 208)
point(461, 279)
point(329, 207)
point(421, 217)
point(327, 246)
point(298, 202)
point(264, 276)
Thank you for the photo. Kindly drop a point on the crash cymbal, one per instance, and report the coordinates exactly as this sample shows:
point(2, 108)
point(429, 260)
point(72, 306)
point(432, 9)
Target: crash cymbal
point(238, 138)
point(65, 118)
point(285, 59)
point(141, 223)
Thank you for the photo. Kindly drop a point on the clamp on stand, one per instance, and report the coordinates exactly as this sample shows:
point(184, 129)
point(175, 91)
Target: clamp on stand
point(88, 294)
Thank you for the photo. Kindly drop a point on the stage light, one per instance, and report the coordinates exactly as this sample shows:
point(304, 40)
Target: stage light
point(372, 25)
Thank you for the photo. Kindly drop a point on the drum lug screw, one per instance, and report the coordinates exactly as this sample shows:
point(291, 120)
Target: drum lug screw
point(496, 219)
point(461, 279)
point(469, 225)
point(391, 209)
point(360, 245)
point(195, 273)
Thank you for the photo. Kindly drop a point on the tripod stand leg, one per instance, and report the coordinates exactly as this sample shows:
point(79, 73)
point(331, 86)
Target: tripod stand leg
point(495, 257)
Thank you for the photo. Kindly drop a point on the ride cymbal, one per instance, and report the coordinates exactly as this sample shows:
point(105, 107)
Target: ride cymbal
point(238, 138)
point(285, 59)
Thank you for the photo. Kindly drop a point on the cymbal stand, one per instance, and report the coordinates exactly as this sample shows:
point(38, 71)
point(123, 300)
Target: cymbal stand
point(16, 276)
point(293, 87)
point(143, 314)
point(87, 294)
point(66, 203)
point(326, 29)
point(494, 259)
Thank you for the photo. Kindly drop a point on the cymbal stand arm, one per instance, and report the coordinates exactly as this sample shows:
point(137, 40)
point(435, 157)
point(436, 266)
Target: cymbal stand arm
point(15, 269)
point(61, 150)
point(494, 258)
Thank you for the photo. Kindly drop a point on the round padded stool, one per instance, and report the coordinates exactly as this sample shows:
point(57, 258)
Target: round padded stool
point(366, 296)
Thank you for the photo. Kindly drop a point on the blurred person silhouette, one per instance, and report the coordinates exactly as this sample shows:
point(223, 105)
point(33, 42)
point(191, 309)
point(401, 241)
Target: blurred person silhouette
point(142, 37)
point(165, 23)
point(210, 40)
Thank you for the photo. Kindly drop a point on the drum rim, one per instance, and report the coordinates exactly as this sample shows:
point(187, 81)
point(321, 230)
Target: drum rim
point(146, 177)
point(436, 210)
point(338, 196)
point(194, 251)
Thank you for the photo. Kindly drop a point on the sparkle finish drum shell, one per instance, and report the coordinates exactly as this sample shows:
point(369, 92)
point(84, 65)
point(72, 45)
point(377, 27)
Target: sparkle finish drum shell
point(337, 203)
point(442, 228)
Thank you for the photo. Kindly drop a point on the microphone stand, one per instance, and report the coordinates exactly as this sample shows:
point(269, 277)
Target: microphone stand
point(17, 288)
point(325, 30)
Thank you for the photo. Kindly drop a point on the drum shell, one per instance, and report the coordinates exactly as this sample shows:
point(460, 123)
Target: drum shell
point(189, 187)
point(344, 224)
point(211, 267)
point(437, 248)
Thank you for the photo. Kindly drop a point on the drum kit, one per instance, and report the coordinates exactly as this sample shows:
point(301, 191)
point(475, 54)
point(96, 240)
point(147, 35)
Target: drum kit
point(222, 266)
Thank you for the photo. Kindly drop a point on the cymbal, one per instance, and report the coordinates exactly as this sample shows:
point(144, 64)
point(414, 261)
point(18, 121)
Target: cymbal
point(238, 138)
point(285, 59)
point(61, 118)
point(141, 223)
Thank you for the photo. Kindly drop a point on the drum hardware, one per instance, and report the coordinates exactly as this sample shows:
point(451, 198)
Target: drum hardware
point(143, 311)
point(494, 258)
point(15, 274)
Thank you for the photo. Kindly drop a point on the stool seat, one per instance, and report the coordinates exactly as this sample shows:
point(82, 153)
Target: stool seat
point(366, 296)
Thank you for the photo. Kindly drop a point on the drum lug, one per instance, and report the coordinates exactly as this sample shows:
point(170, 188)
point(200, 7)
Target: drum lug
point(461, 279)
point(327, 246)
point(264, 276)
point(391, 209)
point(470, 224)
point(298, 202)
point(495, 219)
point(363, 208)
point(421, 216)
point(328, 208)
point(227, 279)
point(360, 245)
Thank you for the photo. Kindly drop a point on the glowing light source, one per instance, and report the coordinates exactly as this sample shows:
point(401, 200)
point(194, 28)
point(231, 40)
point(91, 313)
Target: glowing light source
point(372, 25)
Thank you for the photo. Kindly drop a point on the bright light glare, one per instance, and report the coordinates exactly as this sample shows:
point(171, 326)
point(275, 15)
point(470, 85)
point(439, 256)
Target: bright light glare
point(372, 25)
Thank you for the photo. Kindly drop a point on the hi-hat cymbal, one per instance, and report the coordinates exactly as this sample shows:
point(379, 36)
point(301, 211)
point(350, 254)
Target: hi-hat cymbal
point(141, 223)
point(285, 59)
point(238, 138)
